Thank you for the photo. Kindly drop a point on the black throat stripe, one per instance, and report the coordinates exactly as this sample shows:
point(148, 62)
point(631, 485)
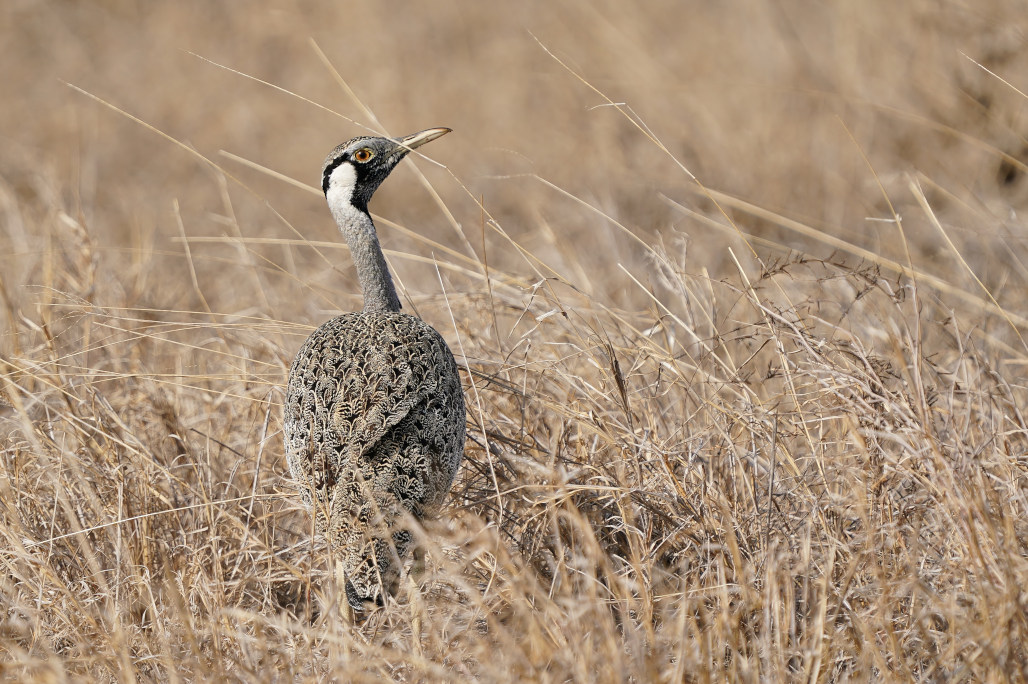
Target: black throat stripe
point(328, 172)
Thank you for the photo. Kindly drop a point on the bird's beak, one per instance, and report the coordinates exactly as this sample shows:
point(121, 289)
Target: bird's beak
point(418, 139)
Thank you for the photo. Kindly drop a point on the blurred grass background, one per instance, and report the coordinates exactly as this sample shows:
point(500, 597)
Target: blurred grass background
point(151, 304)
point(776, 103)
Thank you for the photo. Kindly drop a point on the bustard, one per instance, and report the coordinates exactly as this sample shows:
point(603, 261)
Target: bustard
point(374, 411)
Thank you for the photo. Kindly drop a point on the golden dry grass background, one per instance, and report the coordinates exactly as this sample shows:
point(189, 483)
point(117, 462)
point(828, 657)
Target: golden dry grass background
point(737, 289)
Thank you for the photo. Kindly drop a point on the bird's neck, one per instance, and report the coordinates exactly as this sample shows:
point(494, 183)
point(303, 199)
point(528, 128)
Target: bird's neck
point(372, 272)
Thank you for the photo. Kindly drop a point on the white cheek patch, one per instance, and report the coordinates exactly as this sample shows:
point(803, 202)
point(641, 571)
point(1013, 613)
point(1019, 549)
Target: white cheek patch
point(340, 185)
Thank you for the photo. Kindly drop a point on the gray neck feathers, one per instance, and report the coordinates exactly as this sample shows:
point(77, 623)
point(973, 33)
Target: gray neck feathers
point(362, 239)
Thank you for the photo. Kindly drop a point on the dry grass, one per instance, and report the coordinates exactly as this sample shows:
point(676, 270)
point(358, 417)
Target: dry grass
point(764, 426)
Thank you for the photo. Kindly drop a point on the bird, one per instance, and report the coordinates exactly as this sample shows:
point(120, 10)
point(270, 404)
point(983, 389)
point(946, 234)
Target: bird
point(374, 416)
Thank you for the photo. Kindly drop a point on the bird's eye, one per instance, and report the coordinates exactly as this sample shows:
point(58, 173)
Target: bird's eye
point(363, 155)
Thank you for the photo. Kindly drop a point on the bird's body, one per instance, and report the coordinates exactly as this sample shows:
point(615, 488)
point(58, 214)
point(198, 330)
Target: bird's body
point(374, 411)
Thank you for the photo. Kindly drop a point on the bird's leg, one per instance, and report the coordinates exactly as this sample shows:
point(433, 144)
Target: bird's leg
point(345, 609)
point(414, 600)
point(417, 568)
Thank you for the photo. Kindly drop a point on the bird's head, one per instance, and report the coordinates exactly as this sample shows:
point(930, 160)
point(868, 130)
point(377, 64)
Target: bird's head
point(355, 169)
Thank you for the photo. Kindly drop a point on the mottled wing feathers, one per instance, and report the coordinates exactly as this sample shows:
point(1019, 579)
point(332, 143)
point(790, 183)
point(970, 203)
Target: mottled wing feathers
point(373, 395)
point(372, 387)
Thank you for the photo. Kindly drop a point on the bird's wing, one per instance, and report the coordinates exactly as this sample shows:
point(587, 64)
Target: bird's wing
point(379, 388)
